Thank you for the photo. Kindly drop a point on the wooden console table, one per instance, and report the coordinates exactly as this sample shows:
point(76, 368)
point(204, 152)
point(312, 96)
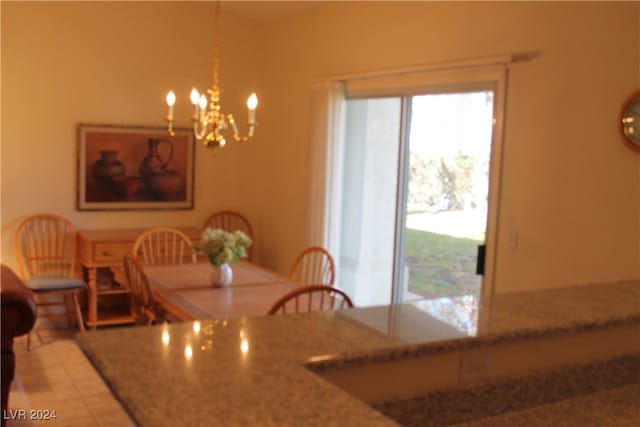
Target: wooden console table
point(106, 249)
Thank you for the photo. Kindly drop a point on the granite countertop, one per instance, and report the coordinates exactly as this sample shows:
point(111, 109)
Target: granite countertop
point(240, 372)
point(251, 371)
point(506, 318)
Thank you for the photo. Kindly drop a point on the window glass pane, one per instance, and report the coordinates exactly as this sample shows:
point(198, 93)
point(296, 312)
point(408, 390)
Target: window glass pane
point(449, 145)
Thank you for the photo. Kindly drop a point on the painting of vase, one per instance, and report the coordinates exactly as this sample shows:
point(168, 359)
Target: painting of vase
point(134, 168)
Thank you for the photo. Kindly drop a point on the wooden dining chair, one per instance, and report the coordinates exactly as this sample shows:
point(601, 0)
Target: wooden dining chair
point(311, 298)
point(145, 309)
point(313, 266)
point(45, 246)
point(164, 246)
point(230, 221)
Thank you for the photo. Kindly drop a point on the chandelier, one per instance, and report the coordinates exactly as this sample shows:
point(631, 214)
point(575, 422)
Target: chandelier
point(208, 119)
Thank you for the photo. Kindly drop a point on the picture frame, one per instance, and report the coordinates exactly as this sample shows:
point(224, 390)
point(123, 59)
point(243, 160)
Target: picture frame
point(134, 168)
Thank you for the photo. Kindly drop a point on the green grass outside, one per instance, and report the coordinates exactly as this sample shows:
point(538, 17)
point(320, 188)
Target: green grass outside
point(441, 265)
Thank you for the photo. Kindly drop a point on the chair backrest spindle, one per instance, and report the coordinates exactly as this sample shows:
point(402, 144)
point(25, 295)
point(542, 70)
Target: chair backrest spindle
point(314, 265)
point(143, 305)
point(46, 245)
point(163, 246)
point(318, 298)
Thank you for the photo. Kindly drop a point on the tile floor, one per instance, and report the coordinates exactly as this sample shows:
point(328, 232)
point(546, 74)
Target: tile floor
point(56, 376)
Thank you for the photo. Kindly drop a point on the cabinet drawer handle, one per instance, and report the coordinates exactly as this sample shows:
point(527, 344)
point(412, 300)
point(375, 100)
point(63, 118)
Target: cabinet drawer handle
point(106, 253)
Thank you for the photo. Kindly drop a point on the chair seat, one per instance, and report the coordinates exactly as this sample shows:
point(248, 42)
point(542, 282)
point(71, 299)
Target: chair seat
point(53, 283)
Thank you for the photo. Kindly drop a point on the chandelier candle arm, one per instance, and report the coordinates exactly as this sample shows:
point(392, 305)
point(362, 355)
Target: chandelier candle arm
point(252, 104)
point(171, 100)
point(232, 122)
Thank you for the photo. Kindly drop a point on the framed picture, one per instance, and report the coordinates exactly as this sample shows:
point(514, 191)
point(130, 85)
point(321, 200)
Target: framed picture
point(134, 168)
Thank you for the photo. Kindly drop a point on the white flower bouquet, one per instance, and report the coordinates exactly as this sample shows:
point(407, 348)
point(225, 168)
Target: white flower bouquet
point(222, 246)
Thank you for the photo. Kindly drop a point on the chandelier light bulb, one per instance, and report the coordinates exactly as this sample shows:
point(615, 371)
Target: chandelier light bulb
point(252, 101)
point(203, 101)
point(195, 96)
point(171, 98)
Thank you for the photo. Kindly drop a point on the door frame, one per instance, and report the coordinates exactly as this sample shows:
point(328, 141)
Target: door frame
point(402, 191)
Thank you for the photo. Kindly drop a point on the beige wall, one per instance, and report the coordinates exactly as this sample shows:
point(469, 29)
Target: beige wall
point(570, 187)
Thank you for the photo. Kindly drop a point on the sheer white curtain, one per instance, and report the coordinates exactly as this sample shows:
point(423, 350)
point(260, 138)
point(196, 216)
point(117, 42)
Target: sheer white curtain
point(325, 186)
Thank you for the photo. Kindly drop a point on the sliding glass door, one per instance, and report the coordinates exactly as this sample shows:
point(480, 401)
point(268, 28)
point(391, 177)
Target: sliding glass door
point(415, 195)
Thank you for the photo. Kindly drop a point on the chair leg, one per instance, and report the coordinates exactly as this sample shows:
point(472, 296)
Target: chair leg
point(68, 308)
point(78, 312)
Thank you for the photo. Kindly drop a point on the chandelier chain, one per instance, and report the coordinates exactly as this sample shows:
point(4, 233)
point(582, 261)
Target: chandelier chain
point(216, 47)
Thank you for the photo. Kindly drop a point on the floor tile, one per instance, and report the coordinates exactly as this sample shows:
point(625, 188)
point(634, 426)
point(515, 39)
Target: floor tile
point(115, 420)
point(91, 387)
point(76, 421)
point(16, 422)
point(103, 404)
point(42, 378)
point(65, 410)
point(56, 376)
point(81, 372)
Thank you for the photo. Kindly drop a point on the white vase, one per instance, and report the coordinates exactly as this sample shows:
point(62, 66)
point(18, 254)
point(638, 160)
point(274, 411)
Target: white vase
point(221, 275)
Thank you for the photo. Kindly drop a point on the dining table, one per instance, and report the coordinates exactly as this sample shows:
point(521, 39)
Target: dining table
point(186, 293)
